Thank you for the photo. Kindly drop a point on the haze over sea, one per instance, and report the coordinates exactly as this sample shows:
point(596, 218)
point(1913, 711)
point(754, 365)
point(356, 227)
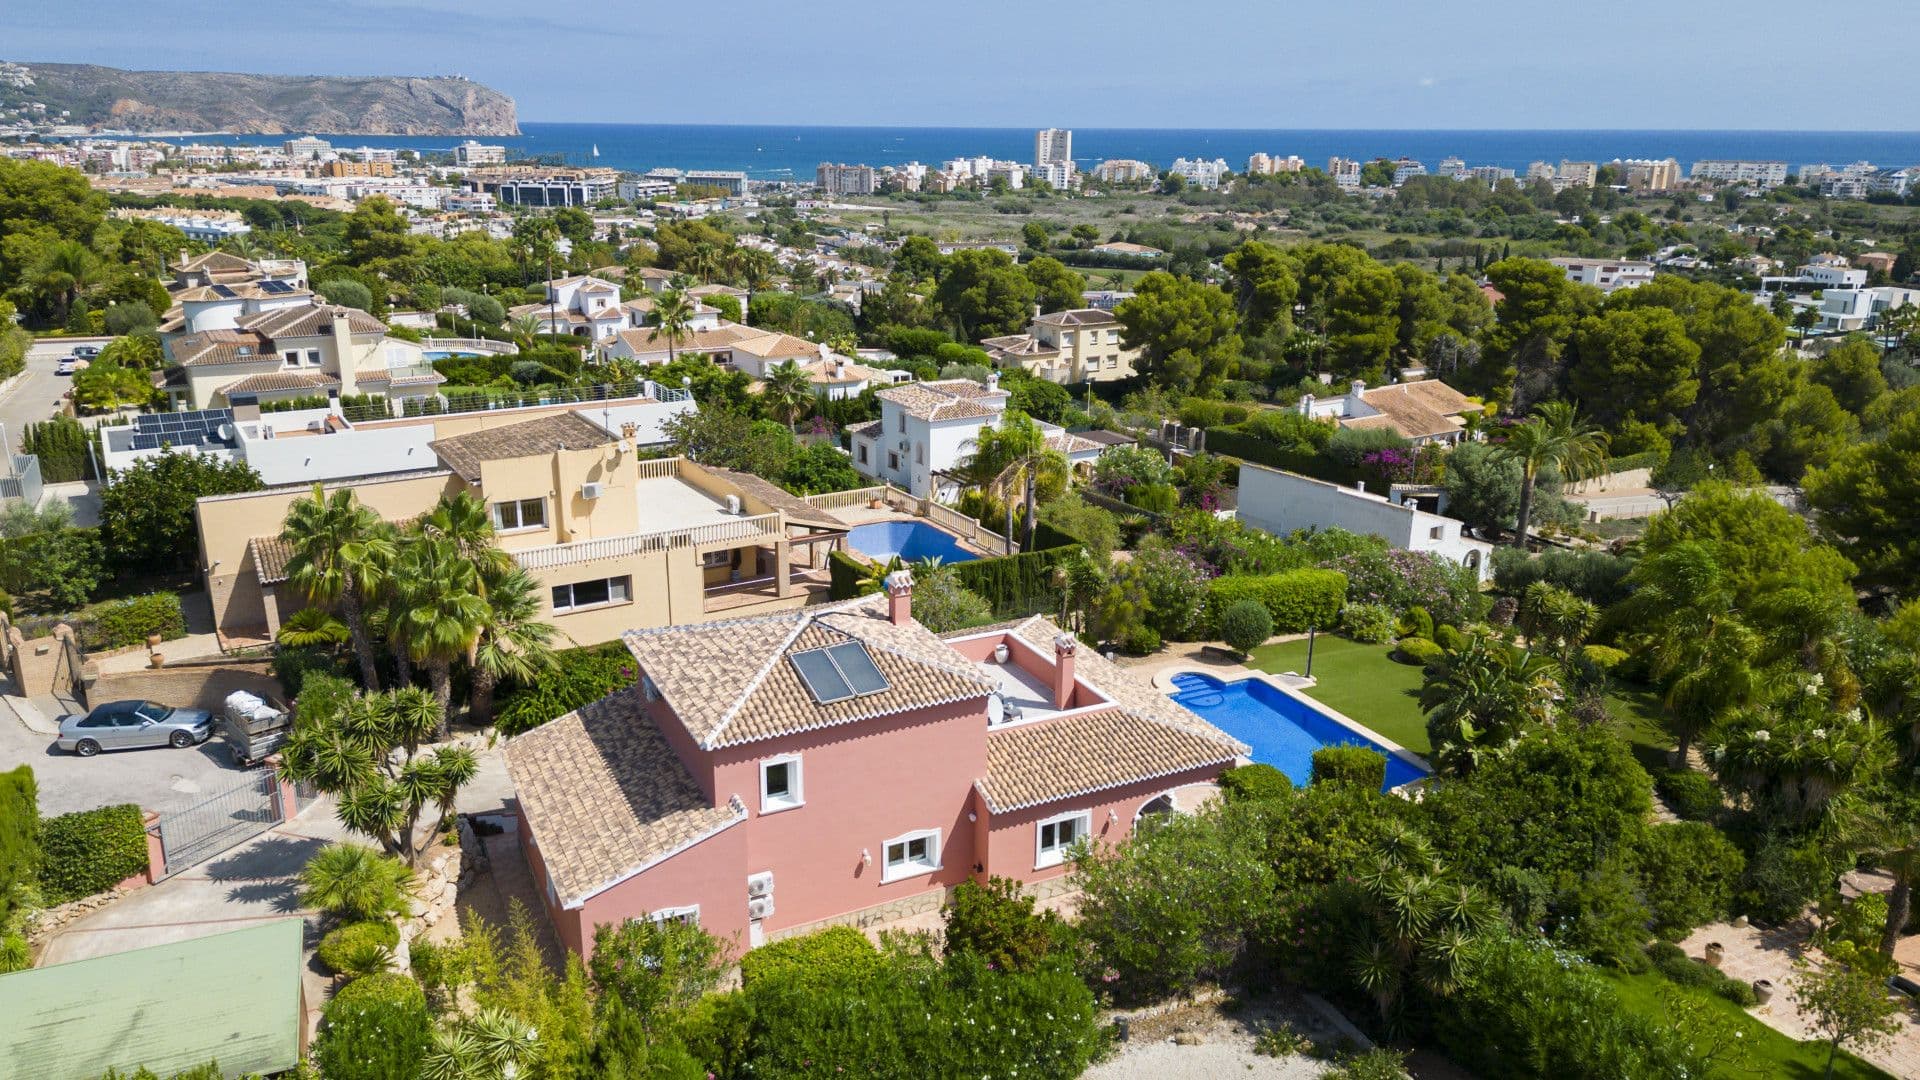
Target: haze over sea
point(785, 152)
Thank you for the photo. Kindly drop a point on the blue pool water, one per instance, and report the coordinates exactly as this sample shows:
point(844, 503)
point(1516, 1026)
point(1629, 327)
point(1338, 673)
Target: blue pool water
point(1283, 731)
point(442, 354)
point(913, 541)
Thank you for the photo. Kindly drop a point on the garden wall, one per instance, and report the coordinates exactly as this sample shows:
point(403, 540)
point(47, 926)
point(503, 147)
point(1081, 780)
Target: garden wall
point(199, 684)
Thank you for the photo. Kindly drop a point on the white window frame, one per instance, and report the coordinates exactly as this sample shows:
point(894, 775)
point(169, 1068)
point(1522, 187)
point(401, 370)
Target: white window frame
point(1044, 856)
point(908, 868)
point(313, 357)
point(689, 913)
point(796, 796)
point(610, 601)
point(519, 515)
point(290, 358)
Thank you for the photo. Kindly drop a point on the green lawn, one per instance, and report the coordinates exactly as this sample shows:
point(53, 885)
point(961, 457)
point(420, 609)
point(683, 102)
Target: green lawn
point(1773, 1054)
point(1358, 680)
point(1366, 684)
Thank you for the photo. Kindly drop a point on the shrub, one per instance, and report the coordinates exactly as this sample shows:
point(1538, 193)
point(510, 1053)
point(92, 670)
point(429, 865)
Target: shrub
point(1245, 625)
point(1784, 874)
point(1379, 1063)
point(1402, 579)
point(1449, 638)
point(997, 923)
point(583, 676)
point(1154, 498)
point(1296, 599)
point(1288, 431)
point(1203, 413)
point(653, 965)
point(836, 956)
point(19, 834)
point(1692, 795)
point(15, 953)
point(1141, 640)
point(346, 292)
point(293, 666)
point(1345, 763)
point(1247, 783)
point(1416, 623)
point(1368, 624)
point(356, 882)
point(359, 948)
point(131, 621)
point(375, 1028)
point(1603, 657)
point(1417, 650)
point(1590, 575)
point(1688, 872)
point(91, 851)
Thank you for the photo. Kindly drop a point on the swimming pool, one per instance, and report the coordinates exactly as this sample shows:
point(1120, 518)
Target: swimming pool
point(912, 541)
point(430, 355)
point(1282, 729)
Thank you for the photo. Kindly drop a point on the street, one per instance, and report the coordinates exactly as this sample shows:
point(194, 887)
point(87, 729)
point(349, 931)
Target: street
point(37, 395)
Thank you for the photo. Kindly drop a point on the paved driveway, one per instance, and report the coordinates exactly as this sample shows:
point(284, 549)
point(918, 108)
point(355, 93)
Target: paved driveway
point(158, 779)
point(37, 395)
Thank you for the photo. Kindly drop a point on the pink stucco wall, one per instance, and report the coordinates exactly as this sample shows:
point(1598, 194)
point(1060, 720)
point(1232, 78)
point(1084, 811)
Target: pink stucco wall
point(711, 874)
point(863, 784)
point(1011, 836)
point(1033, 661)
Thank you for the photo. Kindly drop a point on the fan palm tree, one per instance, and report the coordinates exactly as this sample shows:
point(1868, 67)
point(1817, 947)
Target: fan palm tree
point(67, 267)
point(442, 608)
point(1010, 459)
point(463, 521)
point(672, 313)
point(1554, 439)
point(1892, 844)
point(339, 552)
point(1697, 645)
point(788, 392)
point(311, 628)
point(355, 881)
point(513, 644)
point(525, 329)
point(1481, 700)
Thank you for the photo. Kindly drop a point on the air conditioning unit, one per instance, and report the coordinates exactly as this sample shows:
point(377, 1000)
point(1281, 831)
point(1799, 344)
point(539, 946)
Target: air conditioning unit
point(760, 885)
point(591, 491)
point(733, 505)
point(760, 907)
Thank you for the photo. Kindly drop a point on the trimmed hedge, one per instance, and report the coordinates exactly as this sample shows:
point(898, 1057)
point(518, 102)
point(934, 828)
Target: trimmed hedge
point(1694, 796)
point(1014, 584)
point(1348, 764)
point(844, 575)
point(19, 832)
point(337, 949)
point(1297, 599)
point(1250, 783)
point(91, 851)
point(1245, 624)
point(1248, 447)
point(131, 621)
point(836, 956)
point(1416, 650)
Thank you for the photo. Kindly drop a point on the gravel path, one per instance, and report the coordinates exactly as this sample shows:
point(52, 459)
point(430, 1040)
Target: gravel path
point(1208, 1061)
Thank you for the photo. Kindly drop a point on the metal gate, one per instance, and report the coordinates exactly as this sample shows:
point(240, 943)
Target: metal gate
point(191, 836)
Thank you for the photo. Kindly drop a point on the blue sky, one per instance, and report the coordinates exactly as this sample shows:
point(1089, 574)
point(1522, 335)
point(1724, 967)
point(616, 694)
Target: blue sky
point(1117, 63)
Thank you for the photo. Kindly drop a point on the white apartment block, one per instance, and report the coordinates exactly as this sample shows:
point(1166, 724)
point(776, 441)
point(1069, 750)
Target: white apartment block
point(1053, 146)
point(1014, 173)
point(1123, 171)
point(1763, 174)
point(1345, 172)
point(471, 153)
point(547, 187)
point(1058, 174)
point(1843, 311)
point(307, 148)
point(1200, 172)
point(1606, 274)
point(1646, 174)
point(844, 179)
point(1407, 168)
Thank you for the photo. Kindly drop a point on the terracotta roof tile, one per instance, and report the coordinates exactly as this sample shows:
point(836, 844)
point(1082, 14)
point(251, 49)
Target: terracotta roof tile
point(606, 796)
point(1416, 410)
point(1079, 317)
point(212, 347)
point(269, 381)
point(541, 435)
point(270, 557)
point(1040, 762)
point(309, 320)
point(949, 399)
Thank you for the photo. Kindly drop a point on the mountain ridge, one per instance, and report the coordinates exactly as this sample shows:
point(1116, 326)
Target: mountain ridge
point(118, 99)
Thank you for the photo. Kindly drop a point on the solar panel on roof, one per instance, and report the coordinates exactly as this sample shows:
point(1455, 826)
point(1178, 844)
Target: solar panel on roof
point(146, 442)
point(858, 667)
point(822, 677)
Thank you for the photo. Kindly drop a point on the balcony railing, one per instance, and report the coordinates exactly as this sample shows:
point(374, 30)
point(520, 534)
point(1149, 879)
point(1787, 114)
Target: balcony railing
point(838, 500)
point(746, 529)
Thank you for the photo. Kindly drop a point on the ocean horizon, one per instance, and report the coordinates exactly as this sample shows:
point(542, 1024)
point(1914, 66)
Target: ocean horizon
point(778, 151)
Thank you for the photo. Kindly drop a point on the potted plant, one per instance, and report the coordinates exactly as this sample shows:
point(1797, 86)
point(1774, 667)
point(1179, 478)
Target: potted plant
point(1763, 990)
point(1715, 953)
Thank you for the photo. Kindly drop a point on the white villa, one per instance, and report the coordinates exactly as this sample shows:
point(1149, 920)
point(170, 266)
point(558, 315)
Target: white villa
point(1424, 411)
point(590, 307)
point(1282, 503)
point(927, 431)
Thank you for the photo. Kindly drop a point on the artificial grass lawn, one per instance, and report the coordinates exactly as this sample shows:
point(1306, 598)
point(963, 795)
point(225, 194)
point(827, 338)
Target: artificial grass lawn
point(1773, 1054)
point(1358, 680)
point(1366, 684)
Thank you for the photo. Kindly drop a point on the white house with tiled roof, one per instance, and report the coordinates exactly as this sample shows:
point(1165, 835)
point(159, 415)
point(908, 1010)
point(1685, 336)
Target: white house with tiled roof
point(843, 765)
point(1422, 411)
point(928, 430)
point(590, 307)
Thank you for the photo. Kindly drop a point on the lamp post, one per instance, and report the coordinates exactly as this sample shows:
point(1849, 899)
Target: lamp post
point(1311, 632)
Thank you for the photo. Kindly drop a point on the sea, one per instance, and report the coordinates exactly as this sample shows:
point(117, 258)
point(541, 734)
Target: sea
point(787, 152)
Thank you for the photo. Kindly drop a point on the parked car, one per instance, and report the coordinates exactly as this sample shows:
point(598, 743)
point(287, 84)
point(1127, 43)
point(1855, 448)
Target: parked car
point(122, 725)
point(67, 365)
point(86, 352)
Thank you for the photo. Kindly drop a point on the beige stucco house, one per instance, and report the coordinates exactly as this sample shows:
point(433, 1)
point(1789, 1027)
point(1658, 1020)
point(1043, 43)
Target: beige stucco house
point(1067, 347)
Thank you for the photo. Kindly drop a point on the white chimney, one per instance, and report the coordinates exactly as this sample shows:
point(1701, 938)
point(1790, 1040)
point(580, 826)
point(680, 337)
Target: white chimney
point(993, 381)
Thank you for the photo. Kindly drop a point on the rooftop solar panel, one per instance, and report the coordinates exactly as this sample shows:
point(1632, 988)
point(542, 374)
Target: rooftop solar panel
point(858, 668)
point(822, 678)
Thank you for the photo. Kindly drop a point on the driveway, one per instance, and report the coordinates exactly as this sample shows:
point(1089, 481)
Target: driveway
point(158, 779)
point(253, 883)
point(36, 396)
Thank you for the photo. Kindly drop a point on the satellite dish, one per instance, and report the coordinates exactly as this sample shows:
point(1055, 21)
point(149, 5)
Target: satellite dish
point(996, 710)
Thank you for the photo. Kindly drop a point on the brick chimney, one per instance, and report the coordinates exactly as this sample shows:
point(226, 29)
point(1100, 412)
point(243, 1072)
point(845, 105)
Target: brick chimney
point(900, 597)
point(1064, 646)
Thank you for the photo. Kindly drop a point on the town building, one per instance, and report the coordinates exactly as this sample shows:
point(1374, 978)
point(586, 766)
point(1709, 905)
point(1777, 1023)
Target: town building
point(1345, 172)
point(641, 189)
point(1405, 169)
point(1423, 411)
point(617, 541)
point(1845, 310)
point(731, 181)
point(1069, 347)
point(307, 148)
point(1123, 171)
point(590, 307)
point(263, 345)
point(1576, 174)
point(1761, 174)
point(1491, 174)
point(471, 153)
point(1200, 172)
point(844, 179)
point(1823, 271)
point(343, 167)
point(1283, 503)
point(927, 432)
point(1453, 168)
point(1642, 174)
point(200, 226)
point(1266, 164)
point(1606, 274)
point(1057, 174)
point(529, 186)
point(1053, 146)
point(842, 765)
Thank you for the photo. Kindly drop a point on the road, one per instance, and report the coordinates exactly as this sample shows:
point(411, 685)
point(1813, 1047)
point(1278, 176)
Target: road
point(159, 779)
point(37, 395)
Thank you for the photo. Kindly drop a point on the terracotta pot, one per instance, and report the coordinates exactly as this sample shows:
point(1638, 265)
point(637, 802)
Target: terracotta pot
point(153, 641)
point(1715, 952)
point(156, 661)
point(877, 504)
point(1763, 990)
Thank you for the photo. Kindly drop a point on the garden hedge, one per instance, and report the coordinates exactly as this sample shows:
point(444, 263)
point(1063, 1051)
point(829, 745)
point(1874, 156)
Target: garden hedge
point(91, 851)
point(19, 832)
point(584, 676)
point(844, 575)
point(337, 949)
point(1249, 447)
point(375, 1028)
point(1014, 584)
point(1348, 764)
point(836, 956)
point(1251, 783)
point(131, 621)
point(1297, 599)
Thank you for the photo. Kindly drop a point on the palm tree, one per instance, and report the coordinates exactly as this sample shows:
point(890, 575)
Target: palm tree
point(1415, 921)
point(457, 765)
point(1555, 438)
point(339, 550)
point(355, 881)
point(525, 329)
point(673, 311)
point(1698, 647)
point(311, 628)
point(513, 644)
point(788, 392)
point(1481, 700)
point(442, 608)
point(463, 521)
point(1556, 619)
point(66, 268)
point(1012, 457)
